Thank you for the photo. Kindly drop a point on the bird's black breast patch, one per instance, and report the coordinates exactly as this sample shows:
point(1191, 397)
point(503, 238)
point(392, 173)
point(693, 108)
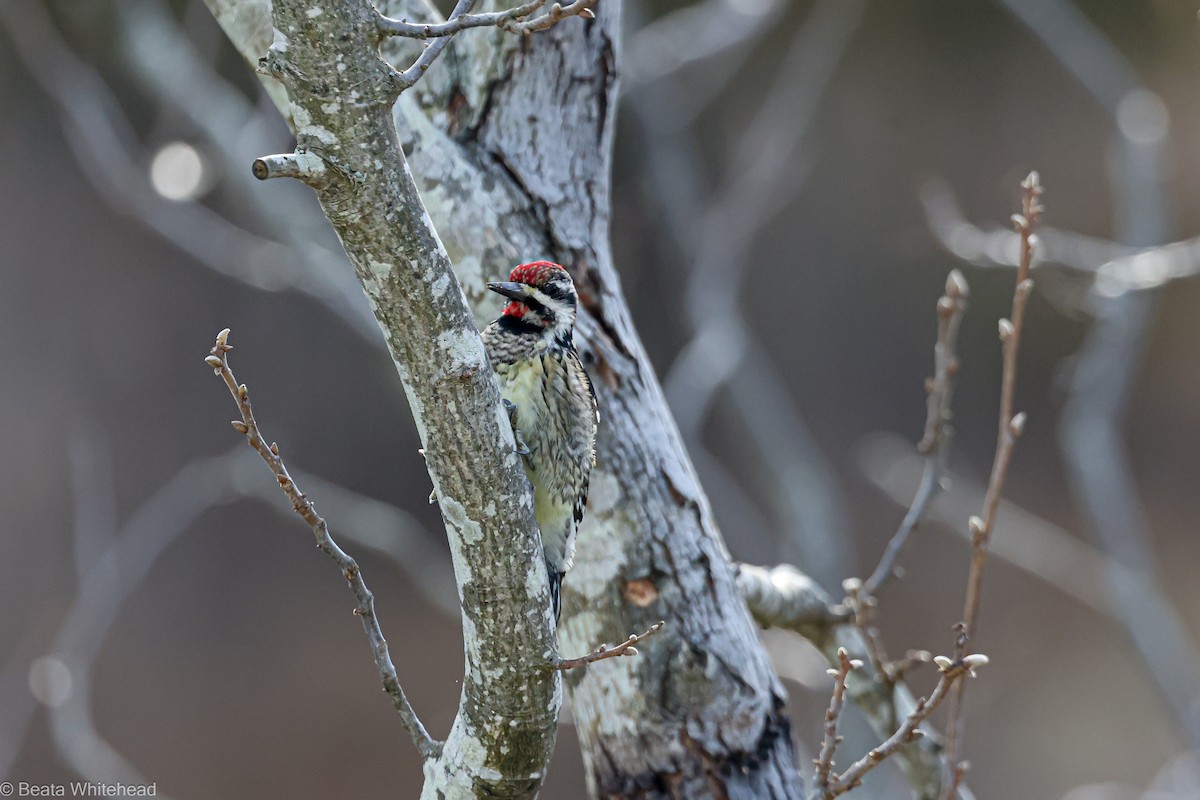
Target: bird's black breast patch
point(517, 325)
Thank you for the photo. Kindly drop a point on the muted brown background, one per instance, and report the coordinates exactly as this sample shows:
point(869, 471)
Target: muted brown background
point(236, 669)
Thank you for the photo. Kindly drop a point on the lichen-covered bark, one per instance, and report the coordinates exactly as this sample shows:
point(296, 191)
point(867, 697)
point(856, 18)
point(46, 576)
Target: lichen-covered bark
point(510, 144)
point(342, 96)
point(698, 713)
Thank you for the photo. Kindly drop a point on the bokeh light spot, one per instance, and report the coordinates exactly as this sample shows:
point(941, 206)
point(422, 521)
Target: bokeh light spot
point(177, 171)
point(50, 681)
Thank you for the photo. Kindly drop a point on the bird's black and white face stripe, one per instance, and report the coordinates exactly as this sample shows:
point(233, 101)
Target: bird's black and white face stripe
point(554, 302)
point(542, 295)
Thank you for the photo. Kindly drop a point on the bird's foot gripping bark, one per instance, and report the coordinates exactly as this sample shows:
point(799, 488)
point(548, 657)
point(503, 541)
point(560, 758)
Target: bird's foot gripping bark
point(511, 408)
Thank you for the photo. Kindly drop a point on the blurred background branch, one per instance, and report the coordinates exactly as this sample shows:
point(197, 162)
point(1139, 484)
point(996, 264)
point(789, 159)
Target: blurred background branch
point(1103, 375)
point(714, 230)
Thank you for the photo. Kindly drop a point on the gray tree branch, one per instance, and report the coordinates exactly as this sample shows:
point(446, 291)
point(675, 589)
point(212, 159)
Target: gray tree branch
point(341, 94)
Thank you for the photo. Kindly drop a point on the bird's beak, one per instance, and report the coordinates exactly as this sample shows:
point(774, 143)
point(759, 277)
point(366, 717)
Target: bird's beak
point(511, 290)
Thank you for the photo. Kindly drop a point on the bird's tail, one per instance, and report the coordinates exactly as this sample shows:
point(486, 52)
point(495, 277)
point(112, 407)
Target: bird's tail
point(556, 578)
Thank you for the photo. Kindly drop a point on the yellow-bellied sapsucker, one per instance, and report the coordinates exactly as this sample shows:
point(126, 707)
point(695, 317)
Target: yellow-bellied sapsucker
point(550, 402)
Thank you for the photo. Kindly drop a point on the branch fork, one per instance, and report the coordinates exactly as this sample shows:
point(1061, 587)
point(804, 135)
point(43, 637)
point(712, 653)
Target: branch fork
point(513, 20)
point(829, 785)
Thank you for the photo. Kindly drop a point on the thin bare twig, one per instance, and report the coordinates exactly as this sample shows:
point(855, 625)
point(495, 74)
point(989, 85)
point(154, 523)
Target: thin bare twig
point(886, 701)
point(218, 359)
point(951, 673)
point(459, 20)
point(1031, 543)
point(410, 76)
point(1101, 381)
point(862, 606)
point(1078, 569)
point(1010, 427)
point(1106, 370)
point(935, 443)
point(382, 527)
point(557, 13)
point(1010, 424)
point(785, 597)
point(823, 778)
point(510, 19)
point(625, 648)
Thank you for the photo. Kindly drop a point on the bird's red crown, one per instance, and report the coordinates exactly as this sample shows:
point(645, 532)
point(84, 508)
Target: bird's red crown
point(535, 273)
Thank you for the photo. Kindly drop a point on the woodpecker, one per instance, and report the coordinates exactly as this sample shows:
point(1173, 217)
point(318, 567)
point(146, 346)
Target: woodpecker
point(550, 402)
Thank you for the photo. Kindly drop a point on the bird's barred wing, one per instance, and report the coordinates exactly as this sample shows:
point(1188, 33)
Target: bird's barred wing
point(581, 498)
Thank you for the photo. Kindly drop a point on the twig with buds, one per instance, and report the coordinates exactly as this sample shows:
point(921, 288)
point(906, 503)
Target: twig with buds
point(625, 648)
point(952, 670)
point(824, 761)
point(861, 596)
point(862, 605)
point(218, 359)
point(1010, 429)
point(935, 444)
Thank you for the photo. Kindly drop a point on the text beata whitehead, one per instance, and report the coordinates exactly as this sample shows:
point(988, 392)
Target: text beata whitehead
point(86, 789)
